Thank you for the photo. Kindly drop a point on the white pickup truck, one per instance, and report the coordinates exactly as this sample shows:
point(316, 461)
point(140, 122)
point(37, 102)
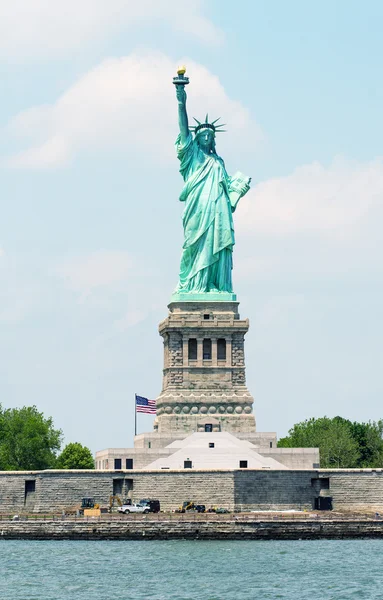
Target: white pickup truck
point(133, 508)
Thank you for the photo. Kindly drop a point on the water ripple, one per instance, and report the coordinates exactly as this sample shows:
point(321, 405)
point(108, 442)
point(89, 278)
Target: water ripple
point(189, 570)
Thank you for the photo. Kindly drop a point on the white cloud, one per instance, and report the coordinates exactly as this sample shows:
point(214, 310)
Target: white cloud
point(314, 199)
point(127, 103)
point(318, 222)
point(32, 29)
point(98, 269)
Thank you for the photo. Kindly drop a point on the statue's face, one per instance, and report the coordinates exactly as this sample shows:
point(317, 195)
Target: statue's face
point(206, 139)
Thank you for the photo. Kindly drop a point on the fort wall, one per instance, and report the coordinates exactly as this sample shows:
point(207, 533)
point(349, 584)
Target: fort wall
point(239, 490)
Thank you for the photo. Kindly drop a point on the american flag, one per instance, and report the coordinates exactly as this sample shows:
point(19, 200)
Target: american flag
point(144, 405)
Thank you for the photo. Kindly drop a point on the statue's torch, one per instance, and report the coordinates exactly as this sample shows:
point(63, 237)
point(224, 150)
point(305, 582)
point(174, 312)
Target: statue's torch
point(181, 79)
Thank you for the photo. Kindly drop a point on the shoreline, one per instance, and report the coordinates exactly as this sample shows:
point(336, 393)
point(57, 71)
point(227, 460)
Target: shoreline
point(203, 529)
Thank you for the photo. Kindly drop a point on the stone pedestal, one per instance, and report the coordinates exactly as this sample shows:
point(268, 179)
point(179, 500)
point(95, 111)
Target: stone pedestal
point(204, 385)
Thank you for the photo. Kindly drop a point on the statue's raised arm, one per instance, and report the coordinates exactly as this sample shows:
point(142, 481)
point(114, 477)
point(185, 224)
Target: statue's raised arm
point(182, 114)
point(180, 81)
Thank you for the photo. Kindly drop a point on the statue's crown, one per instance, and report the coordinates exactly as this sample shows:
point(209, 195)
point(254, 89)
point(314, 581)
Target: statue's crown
point(206, 125)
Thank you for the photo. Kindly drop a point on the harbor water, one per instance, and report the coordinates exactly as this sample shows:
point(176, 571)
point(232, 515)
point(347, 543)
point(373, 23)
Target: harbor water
point(188, 570)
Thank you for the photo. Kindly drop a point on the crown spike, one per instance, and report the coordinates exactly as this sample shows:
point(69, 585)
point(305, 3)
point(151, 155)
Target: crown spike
point(206, 125)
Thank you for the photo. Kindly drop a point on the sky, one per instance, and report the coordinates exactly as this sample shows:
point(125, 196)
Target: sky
point(91, 232)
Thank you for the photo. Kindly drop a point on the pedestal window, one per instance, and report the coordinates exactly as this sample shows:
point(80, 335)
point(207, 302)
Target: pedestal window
point(192, 349)
point(207, 349)
point(221, 349)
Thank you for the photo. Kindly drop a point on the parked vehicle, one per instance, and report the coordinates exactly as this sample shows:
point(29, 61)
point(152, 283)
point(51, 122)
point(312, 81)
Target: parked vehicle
point(153, 505)
point(133, 508)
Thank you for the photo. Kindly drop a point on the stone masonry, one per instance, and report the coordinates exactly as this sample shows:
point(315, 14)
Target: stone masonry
point(204, 370)
point(238, 489)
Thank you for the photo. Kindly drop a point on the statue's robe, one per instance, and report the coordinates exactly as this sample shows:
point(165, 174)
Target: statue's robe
point(206, 262)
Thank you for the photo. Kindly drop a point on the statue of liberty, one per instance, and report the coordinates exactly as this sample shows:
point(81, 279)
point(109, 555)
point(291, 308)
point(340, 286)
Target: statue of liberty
point(210, 197)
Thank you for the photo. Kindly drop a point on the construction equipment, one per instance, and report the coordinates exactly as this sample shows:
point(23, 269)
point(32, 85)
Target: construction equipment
point(89, 508)
point(218, 510)
point(188, 505)
point(112, 500)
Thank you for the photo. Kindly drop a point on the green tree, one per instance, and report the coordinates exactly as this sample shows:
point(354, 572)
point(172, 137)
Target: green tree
point(333, 437)
point(28, 440)
point(75, 456)
point(369, 437)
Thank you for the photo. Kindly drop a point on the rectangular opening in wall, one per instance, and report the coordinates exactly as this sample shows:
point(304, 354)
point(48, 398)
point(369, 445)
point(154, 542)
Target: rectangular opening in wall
point(192, 349)
point(271, 444)
point(206, 349)
point(187, 464)
point(117, 486)
point(117, 464)
point(211, 444)
point(206, 317)
point(323, 503)
point(324, 483)
point(29, 490)
point(243, 464)
point(129, 463)
point(221, 349)
point(208, 427)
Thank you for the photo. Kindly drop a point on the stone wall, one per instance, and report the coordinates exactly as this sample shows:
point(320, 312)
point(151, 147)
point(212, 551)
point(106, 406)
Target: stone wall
point(63, 490)
point(191, 528)
point(206, 383)
point(174, 487)
point(238, 350)
point(354, 488)
point(233, 489)
point(175, 349)
point(262, 490)
point(54, 490)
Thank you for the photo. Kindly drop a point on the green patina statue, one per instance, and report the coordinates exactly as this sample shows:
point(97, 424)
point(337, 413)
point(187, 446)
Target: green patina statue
point(210, 197)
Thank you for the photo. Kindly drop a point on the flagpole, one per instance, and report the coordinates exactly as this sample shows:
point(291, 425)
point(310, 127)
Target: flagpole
point(135, 415)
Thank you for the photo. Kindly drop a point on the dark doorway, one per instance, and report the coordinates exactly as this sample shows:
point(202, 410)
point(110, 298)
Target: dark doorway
point(243, 464)
point(129, 463)
point(187, 464)
point(323, 503)
point(117, 463)
point(29, 491)
point(208, 427)
point(117, 486)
